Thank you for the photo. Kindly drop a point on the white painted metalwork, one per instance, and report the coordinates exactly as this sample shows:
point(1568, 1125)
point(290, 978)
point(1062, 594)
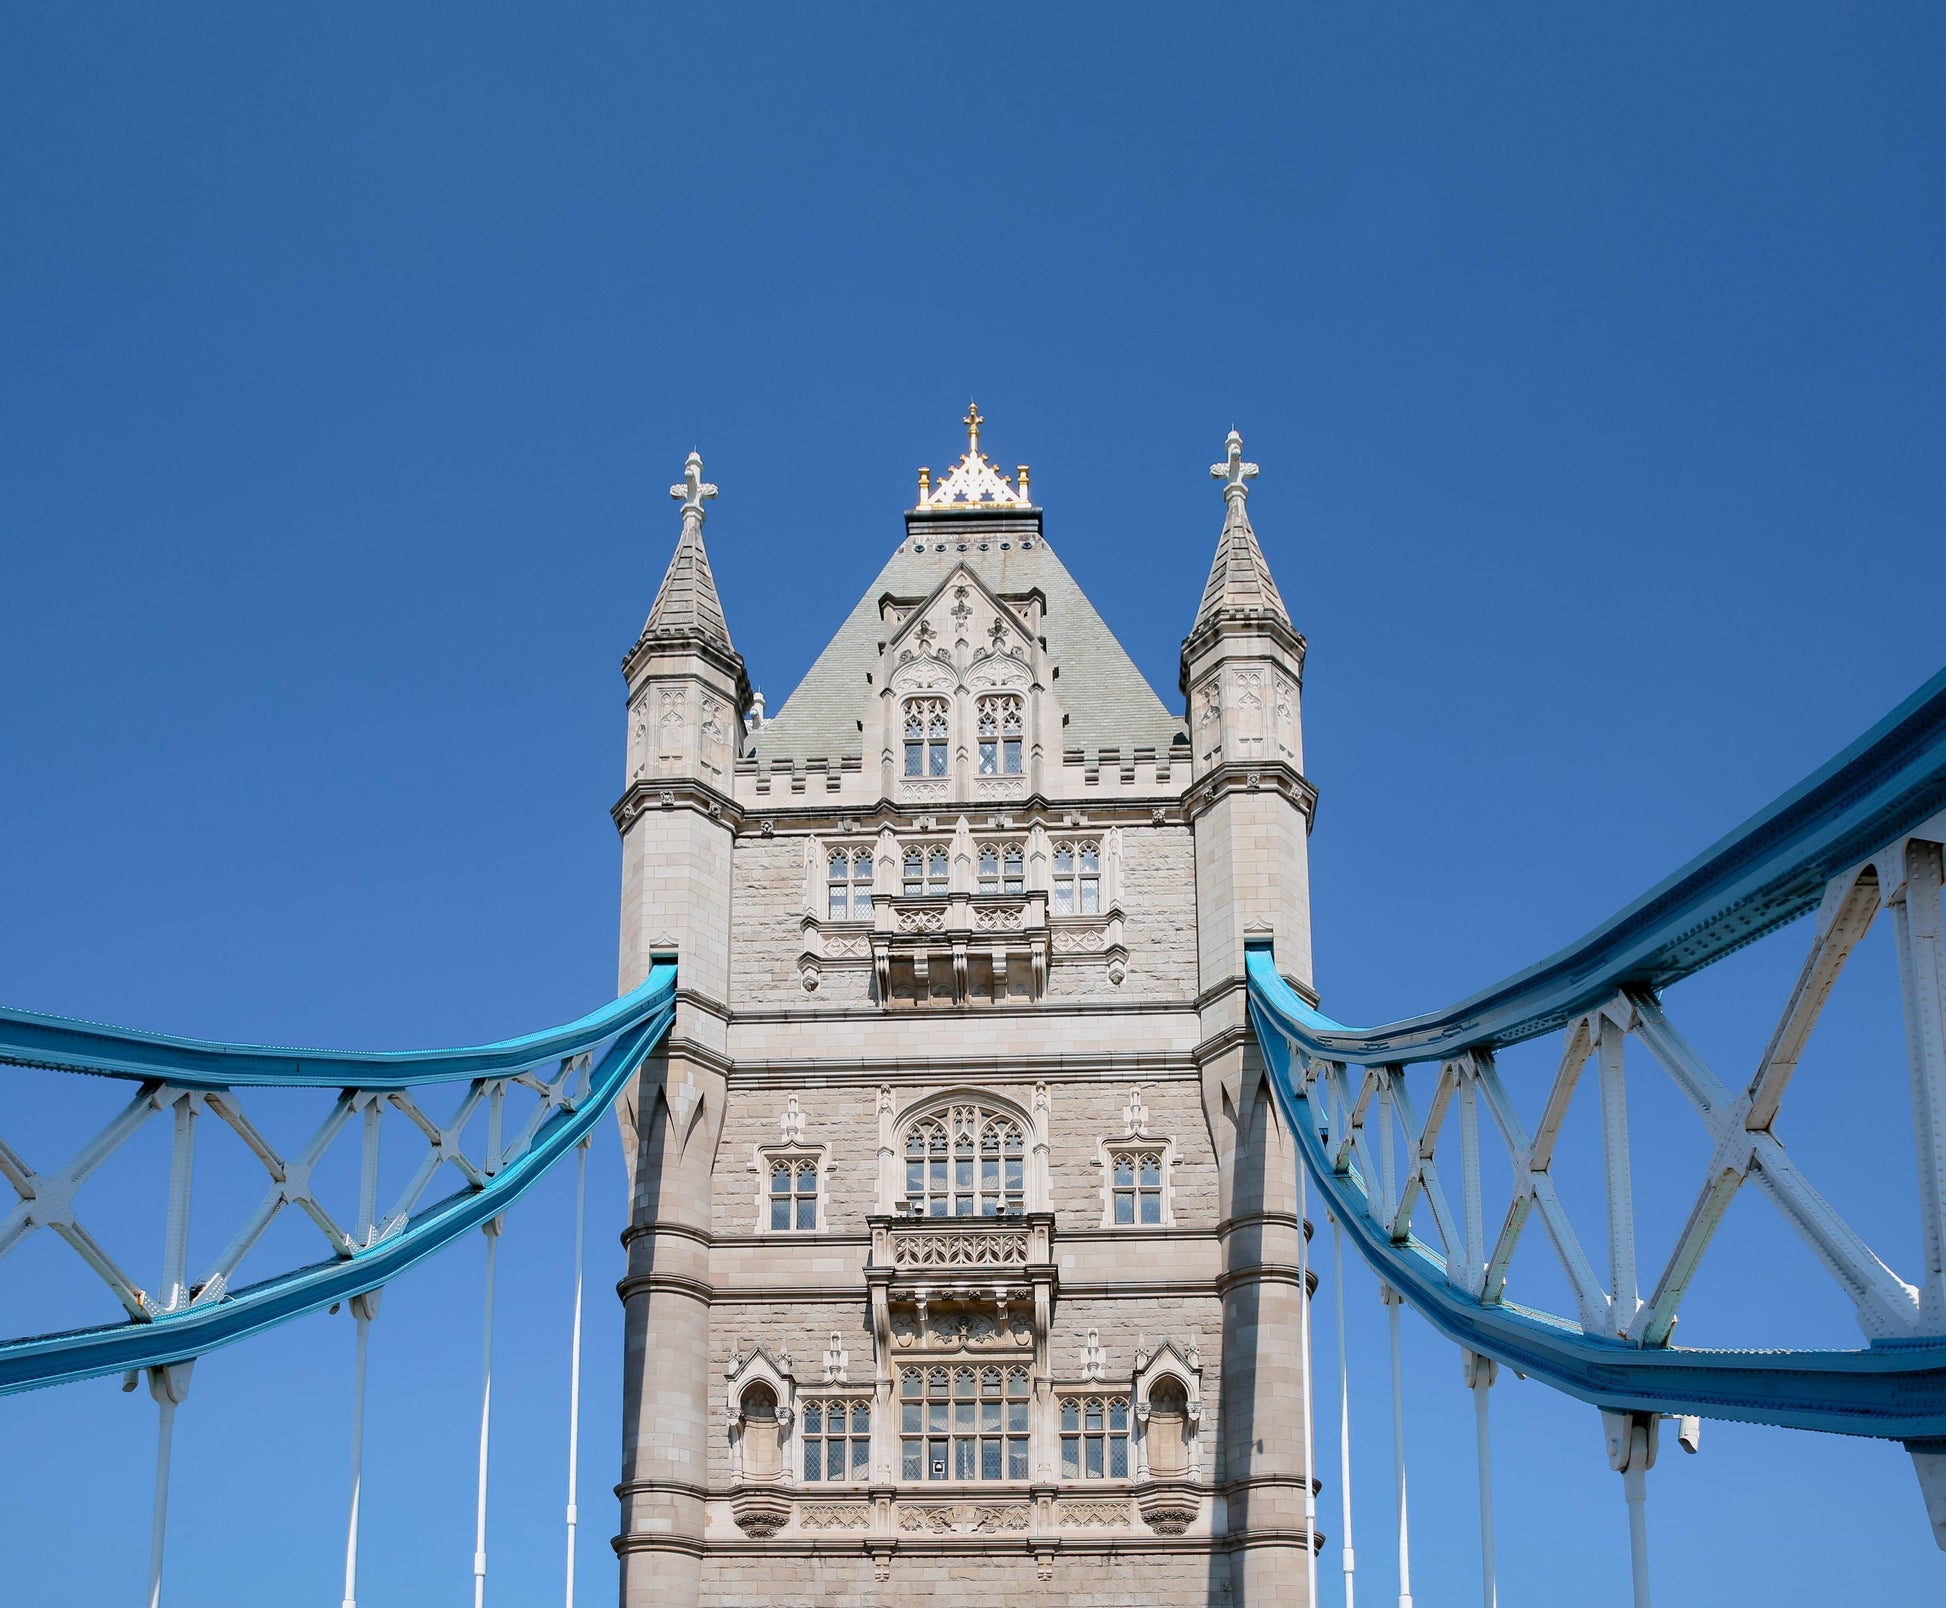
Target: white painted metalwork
point(47, 1200)
point(492, 1231)
point(574, 1364)
point(1739, 1123)
point(1349, 1558)
point(363, 1309)
point(1393, 1301)
point(1631, 1453)
point(1480, 1373)
point(169, 1386)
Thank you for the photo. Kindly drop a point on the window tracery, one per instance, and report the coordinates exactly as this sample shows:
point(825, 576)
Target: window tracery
point(793, 1193)
point(965, 1161)
point(836, 1436)
point(1094, 1437)
point(1000, 734)
point(926, 733)
point(964, 1423)
point(1002, 868)
point(848, 883)
point(1077, 879)
point(927, 869)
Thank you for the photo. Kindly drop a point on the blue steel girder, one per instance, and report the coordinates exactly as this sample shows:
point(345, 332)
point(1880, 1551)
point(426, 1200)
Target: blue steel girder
point(597, 1057)
point(1886, 789)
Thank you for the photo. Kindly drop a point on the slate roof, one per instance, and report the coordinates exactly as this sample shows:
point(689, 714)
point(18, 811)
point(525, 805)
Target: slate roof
point(1108, 703)
point(1239, 579)
point(687, 603)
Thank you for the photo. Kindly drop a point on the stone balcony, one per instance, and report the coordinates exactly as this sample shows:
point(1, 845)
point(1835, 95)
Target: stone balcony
point(961, 948)
point(948, 1285)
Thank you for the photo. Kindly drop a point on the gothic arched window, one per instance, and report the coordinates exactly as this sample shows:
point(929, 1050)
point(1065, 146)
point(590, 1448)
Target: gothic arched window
point(794, 1193)
point(1001, 868)
point(1000, 734)
point(927, 867)
point(1094, 1438)
point(1077, 879)
point(837, 1437)
point(849, 885)
point(963, 1423)
point(925, 737)
point(965, 1161)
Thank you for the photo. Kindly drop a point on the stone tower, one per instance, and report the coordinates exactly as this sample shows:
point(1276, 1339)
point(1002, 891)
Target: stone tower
point(963, 1250)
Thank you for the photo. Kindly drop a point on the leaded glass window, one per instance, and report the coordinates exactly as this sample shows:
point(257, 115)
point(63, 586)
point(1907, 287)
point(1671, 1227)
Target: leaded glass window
point(926, 868)
point(1094, 1438)
point(848, 885)
point(1077, 879)
point(836, 1434)
point(963, 1423)
point(966, 1161)
point(1000, 726)
point(1002, 868)
point(1137, 1186)
point(925, 737)
point(794, 1193)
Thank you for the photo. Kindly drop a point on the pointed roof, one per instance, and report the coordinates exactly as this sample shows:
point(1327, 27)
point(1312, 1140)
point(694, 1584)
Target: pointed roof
point(1109, 703)
point(1239, 578)
point(687, 604)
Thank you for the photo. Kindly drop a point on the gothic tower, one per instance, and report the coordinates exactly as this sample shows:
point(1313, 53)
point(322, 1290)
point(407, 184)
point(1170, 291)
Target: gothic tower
point(963, 1248)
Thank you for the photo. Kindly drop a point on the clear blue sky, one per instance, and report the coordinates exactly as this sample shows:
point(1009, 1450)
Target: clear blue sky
point(1597, 373)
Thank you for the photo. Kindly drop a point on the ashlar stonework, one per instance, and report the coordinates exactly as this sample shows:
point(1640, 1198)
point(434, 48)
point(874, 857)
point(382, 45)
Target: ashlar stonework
point(963, 1249)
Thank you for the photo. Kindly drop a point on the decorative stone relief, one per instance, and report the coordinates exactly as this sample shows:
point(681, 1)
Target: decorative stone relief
point(835, 1516)
point(791, 1124)
point(1092, 1514)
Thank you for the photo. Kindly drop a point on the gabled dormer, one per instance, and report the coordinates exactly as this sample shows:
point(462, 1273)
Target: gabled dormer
point(961, 699)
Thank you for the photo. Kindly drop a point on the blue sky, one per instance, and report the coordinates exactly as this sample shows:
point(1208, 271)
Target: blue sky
point(1597, 368)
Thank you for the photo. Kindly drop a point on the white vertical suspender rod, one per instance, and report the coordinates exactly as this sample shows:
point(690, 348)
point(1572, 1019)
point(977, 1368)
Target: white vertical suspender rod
point(492, 1231)
point(364, 1307)
point(574, 1365)
point(1344, 1412)
point(1393, 1301)
point(168, 1384)
point(496, 1100)
point(1480, 1374)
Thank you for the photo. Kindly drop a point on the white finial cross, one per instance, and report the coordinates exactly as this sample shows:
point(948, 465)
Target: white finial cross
point(1234, 472)
point(694, 489)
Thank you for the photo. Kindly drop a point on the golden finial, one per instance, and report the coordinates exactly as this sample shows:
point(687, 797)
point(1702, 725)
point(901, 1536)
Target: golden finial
point(972, 421)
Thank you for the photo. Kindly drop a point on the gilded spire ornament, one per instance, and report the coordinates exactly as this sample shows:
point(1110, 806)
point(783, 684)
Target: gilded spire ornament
point(973, 482)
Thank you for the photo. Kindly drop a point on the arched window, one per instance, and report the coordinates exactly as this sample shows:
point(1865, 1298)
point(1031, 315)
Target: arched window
point(849, 885)
point(926, 867)
point(1168, 1420)
point(794, 1193)
point(1094, 1438)
point(966, 1161)
point(1001, 868)
point(1138, 1186)
point(925, 737)
point(999, 715)
point(963, 1423)
point(1077, 879)
point(837, 1436)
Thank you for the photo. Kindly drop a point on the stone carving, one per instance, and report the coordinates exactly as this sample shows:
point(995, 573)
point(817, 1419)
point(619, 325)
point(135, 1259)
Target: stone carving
point(1135, 1115)
point(971, 1249)
point(837, 1361)
point(938, 1331)
point(1007, 918)
point(963, 1518)
point(1098, 1515)
point(791, 1123)
point(1169, 1518)
point(835, 1516)
point(760, 1514)
point(922, 920)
